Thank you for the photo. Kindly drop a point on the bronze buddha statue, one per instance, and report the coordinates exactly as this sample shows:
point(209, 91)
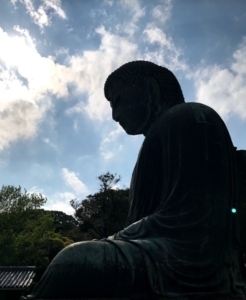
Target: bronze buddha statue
point(181, 236)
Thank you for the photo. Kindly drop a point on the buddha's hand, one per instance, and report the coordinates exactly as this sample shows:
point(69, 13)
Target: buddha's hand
point(112, 237)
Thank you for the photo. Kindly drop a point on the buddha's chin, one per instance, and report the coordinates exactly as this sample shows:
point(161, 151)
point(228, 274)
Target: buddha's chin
point(131, 129)
point(132, 132)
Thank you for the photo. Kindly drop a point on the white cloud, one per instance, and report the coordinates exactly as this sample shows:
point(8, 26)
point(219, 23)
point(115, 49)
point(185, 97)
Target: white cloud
point(18, 119)
point(162, 12)
point(156, 35)
point(109, 146)
point(128, 28)
point(60, 202)
point(69, 29)
point(61, 51)
point(168, 54)
point(98, 13)
point(108, 2)
point(224, 89)
point(30, 41)
point(56, 5)
point(75, 124)
point(73, 181)
point(66, 196)
point(36, 190)
point(135, 12)
point(93, 67)
point(42, 73)
point(60, 206)
point(26, 81)
point(116, 187)
point(48, 142)
point(134, 8)
point(239, 65)
point(40, 16)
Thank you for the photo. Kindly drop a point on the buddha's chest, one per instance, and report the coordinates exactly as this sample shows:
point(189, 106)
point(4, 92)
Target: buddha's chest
point(148, 170)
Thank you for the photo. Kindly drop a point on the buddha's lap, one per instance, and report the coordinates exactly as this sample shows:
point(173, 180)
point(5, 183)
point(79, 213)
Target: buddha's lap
point(93, 266)
point(99, 253)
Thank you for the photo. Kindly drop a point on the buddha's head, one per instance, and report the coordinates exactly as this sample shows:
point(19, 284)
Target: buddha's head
point(139, 92)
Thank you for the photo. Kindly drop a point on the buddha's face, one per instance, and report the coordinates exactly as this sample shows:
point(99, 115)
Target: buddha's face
point(130, 106)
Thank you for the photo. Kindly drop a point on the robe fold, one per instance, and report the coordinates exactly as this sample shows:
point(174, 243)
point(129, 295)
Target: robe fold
point(180, 230)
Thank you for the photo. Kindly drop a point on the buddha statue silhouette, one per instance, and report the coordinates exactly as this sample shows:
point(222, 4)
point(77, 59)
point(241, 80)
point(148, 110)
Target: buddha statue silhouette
point(181, 237)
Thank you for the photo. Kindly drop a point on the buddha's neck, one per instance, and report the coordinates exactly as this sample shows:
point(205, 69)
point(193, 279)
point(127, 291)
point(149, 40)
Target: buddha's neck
point(153, 118)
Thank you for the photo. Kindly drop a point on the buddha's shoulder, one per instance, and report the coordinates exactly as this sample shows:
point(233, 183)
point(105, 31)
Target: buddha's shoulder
point(192, 111)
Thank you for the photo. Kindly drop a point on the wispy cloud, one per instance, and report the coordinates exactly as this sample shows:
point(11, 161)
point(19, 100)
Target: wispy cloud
point(168, 54)
point(108, 2)
point(162, 12)
point(135, 13)
point(40, 16)
point(224, 89)
point(61, 51)
point(134, 8)
point(98, 12)
point(56, 5)
point(73, 182)
point(36, 190)
point(109, 146)
point(48, 142)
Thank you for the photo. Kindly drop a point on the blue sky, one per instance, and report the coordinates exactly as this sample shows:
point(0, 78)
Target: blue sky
point(56, 130)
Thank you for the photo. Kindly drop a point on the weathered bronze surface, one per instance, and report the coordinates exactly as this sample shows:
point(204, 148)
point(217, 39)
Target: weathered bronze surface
point(182, 232)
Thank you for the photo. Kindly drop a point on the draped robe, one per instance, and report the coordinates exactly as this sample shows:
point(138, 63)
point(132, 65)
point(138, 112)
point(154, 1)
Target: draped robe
point(180, 227)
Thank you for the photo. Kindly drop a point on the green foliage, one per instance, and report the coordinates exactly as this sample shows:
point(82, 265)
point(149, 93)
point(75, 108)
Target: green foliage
point(77, 235)
point(30, 235)
point(63, 222)
point(103, 213)
point(108, 181)
point(27, 233)
point(12, 200)
point(68, 226)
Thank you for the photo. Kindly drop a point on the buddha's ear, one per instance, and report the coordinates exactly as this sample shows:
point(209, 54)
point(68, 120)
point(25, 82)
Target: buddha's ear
point(153, 93)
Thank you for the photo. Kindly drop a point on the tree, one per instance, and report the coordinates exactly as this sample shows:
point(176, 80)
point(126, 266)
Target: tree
point(77, 235)
point(62, 221)
point(103, 213)
point(26, 230)
point(12, 200)
point(67, 226)
point(108, 181)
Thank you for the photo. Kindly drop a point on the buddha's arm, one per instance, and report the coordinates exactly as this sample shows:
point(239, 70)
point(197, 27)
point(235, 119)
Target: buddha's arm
point(136, 230)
